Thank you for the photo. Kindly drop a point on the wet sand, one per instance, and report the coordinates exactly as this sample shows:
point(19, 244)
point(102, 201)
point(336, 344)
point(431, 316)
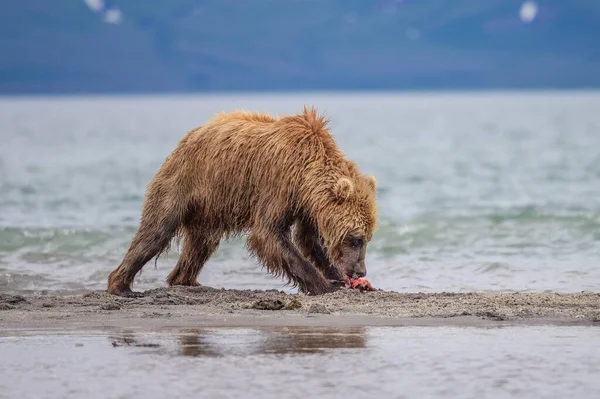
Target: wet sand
point(210, 307)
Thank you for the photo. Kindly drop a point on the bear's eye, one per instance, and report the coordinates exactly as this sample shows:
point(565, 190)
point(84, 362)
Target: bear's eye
point(355, 242)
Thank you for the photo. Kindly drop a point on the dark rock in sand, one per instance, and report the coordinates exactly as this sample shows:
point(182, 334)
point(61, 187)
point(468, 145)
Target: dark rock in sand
point(318, 308)
point(11, 299)
point(594, 317)
point(294, 304)
point(111, 306)
point(491, 315)
point(263, 304)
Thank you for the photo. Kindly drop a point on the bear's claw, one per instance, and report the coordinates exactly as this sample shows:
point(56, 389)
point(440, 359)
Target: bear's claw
point(125, 292)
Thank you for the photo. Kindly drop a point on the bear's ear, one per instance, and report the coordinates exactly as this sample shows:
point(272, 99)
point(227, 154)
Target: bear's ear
point(372, 182)
point(343, 188)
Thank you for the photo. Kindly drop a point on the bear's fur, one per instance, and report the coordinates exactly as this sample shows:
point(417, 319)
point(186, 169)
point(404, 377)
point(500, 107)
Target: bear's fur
point(253, 173)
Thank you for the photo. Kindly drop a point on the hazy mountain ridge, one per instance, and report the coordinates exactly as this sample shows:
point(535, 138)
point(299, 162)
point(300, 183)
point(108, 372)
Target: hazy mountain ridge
point(183, 45)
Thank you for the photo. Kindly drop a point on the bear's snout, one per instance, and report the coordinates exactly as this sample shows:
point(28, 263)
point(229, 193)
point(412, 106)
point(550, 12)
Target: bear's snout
point(360, 274)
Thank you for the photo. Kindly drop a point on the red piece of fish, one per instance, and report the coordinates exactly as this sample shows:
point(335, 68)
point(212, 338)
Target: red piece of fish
point(360, 284)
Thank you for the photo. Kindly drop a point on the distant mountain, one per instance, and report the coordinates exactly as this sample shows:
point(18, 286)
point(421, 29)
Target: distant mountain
point(95, 46)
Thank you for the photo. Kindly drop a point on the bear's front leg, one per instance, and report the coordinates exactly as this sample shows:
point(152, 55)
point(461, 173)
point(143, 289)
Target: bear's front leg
point(307, 239)
point(281, 257)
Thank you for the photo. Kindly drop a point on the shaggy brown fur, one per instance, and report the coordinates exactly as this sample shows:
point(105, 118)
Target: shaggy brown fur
point(254, 173)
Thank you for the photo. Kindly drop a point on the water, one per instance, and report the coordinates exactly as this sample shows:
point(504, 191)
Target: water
point(477, 191)
point(423, 362)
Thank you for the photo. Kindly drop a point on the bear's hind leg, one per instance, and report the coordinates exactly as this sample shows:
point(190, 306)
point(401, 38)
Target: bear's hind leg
point(307, 239)
point(197, 249)
point(152, 237)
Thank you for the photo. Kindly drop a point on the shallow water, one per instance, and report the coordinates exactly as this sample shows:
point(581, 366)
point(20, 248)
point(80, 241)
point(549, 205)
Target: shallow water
point(441, 362)
point(477, 191)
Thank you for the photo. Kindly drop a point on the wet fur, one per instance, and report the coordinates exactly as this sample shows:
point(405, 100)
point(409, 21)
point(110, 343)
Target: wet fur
point(283, 181)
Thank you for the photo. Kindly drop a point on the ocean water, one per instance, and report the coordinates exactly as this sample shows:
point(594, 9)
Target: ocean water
point(477, 191)
point(414, 362)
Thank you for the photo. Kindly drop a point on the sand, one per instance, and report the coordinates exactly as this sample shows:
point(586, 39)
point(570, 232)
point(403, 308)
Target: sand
point(205, 306)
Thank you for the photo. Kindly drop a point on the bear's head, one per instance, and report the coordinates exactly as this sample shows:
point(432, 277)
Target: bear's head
point(349, 222)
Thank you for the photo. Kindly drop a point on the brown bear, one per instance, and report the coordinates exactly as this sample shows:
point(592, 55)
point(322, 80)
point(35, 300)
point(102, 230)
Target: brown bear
point(309, 213)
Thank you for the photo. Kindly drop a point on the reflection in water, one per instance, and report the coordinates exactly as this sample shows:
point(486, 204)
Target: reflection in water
point(221, 342)
point(130, 339)
point(195, 343)
point(312, 340)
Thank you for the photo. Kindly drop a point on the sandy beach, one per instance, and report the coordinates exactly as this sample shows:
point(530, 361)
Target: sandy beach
point(205, 306)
